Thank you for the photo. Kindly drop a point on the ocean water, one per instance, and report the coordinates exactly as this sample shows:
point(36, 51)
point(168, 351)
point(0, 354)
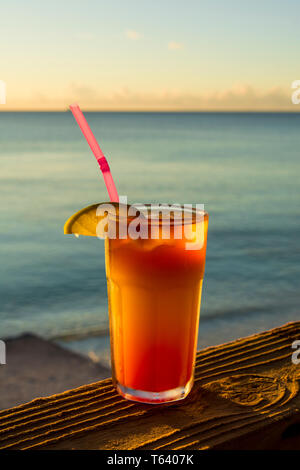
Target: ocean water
point(245, 169)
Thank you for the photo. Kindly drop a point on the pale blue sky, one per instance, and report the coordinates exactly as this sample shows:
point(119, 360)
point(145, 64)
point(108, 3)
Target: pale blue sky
point(225, 53)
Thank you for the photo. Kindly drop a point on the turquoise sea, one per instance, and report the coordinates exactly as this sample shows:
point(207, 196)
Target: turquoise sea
point(245, 169)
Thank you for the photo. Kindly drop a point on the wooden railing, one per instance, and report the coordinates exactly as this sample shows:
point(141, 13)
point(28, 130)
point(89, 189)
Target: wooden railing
point(246, 396)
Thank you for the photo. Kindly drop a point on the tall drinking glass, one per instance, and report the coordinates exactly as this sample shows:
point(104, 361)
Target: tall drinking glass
point(154, 293)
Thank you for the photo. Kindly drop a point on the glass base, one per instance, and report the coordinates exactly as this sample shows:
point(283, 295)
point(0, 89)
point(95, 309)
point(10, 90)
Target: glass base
point(166, 396)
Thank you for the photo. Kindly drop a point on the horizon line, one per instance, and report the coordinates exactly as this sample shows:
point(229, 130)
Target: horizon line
point(224, 111)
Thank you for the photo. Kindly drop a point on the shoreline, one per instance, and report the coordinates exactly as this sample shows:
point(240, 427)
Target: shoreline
point(212, 332)
point(36, 367)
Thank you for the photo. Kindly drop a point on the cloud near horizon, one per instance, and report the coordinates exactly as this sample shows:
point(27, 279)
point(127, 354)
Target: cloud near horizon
point(237, 98)
point(131, 34)
point(175, 46)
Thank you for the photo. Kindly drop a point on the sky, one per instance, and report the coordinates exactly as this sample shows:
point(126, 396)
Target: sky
point(150, 54)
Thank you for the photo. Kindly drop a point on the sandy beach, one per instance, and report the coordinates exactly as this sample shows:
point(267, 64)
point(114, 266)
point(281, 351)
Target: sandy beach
point(36, 367)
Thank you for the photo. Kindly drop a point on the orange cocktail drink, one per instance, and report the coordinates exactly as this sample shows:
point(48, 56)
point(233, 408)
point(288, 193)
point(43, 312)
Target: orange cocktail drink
point(154, 294)
point(154, 288)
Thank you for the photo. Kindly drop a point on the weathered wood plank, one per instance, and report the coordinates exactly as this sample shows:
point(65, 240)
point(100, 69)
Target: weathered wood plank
point(246, 395)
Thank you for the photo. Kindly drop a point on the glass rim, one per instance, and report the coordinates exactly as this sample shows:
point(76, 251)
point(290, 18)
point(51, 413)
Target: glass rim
point(189, 215)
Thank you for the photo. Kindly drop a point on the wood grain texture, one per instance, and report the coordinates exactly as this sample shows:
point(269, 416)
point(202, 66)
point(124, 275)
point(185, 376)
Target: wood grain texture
point(246, 396)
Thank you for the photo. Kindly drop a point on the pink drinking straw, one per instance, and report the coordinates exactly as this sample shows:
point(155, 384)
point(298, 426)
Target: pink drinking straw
point(104, 167)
